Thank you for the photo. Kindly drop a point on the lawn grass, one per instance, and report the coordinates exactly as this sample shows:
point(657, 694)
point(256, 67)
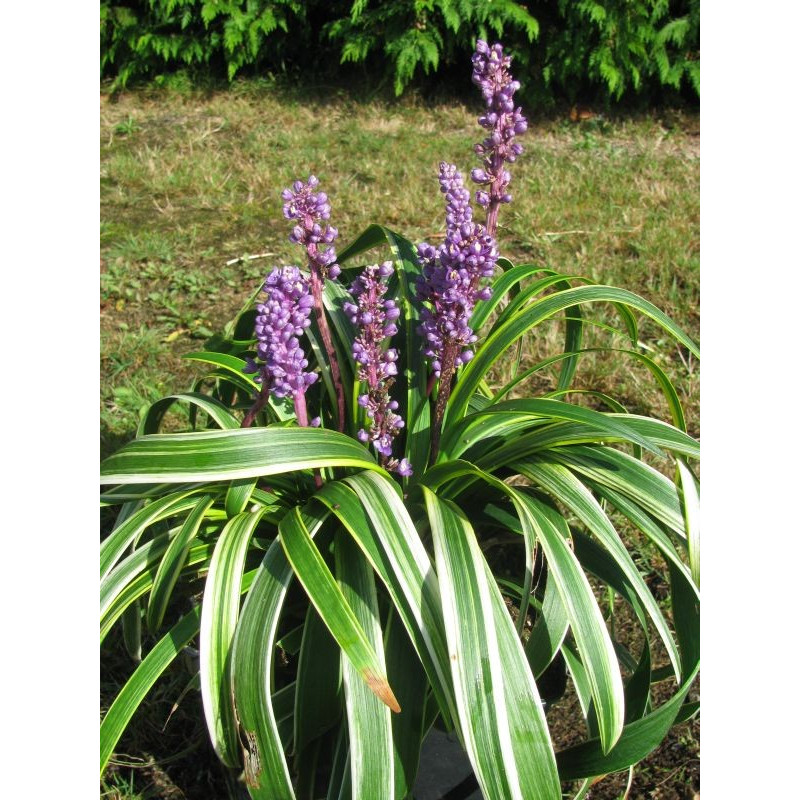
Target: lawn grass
point(191, 182)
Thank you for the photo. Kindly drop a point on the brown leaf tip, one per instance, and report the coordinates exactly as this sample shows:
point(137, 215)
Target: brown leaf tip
point(380, 687)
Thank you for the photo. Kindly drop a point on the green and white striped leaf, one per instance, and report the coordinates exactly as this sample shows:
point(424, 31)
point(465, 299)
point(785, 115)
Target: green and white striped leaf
point(218, 623)
point(151, 421)
point(172, 563)
point(638, 740)
point(225, 455)
point(368, 719)
point(378, 520)
point(628, 476)
point(141, 559)
point(327, 597)
point(142, 680)
point(585, 618)
point(118, 541)
point(661, 377)
point(562, 484)
point(228, 363)
point(266, 772)
point(238, 495)
point(461, 435)
point(647, 525)
point(502, 723)
point(548, 631)
point(498, 341)
point(198, 557)
point(690, 502)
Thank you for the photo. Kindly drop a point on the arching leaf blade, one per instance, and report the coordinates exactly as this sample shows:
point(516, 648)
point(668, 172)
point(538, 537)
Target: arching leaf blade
point(226, 455)
point(369, 720)
point(217, 627)
point(328, 599)
point(501, 719)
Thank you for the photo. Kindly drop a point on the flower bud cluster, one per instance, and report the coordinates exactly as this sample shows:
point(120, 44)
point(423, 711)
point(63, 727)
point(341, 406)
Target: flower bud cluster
point(280, 320)
point(490, 71)
point(310, 209)
point(452, 273)
point(375, 319)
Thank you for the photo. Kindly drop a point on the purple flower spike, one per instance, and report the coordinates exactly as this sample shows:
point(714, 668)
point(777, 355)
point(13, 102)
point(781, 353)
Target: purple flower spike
point(490, 71)
point(375, 319)
point(310, 208)
point(280, 320)
point(451, 275)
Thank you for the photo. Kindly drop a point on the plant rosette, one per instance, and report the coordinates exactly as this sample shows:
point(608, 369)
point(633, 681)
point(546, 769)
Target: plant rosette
point(347, 438)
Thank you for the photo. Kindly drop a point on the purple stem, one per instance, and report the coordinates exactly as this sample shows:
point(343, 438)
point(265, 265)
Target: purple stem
point(322, 323)
point(449, 353)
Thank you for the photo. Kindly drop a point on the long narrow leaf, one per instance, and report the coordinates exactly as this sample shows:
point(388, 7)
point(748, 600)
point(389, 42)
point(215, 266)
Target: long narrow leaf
point(218, 623)
point(118, 541)
point(561, 483)
point(172, 562)
point(690, 502)
point(142, 680)
point(223, 455)
point(535, 313)
point(332, 606)
point(197, 559)
point(368, 719)
point(217, 411)
point(638, 739)
point(586, 620)
point(266, 772)
point(376, 517)
point(509, 745)
point(606, 424)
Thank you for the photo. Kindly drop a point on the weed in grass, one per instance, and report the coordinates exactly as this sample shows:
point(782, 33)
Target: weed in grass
point(127, 127)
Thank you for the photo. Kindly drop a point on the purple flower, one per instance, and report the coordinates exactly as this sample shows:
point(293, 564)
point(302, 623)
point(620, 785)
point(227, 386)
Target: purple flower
point(451, 275)
point(375, 319)
point(310, 209)
point(490, 71)
point(280, 320)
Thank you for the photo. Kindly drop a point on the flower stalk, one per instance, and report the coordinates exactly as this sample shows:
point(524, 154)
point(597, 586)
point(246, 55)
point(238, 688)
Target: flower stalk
point(310, 209)
point(375, 319)
point(281, 319)
point(503, 122)
point(451, 284)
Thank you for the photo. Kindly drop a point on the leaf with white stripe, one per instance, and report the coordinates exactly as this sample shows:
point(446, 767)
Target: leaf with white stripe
point(142, 680)
point(368, 719)
point(377, 519)
point(629, 476)
point(638, 739)
point(585, 618)
point(172, 563)
point(266, 773)
point(218, 623)
point(559, 482)
point(227, 454)
point(117, 542)
point(327, 597)
point(196, 561)
point(502, 723)
point(690, 502)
